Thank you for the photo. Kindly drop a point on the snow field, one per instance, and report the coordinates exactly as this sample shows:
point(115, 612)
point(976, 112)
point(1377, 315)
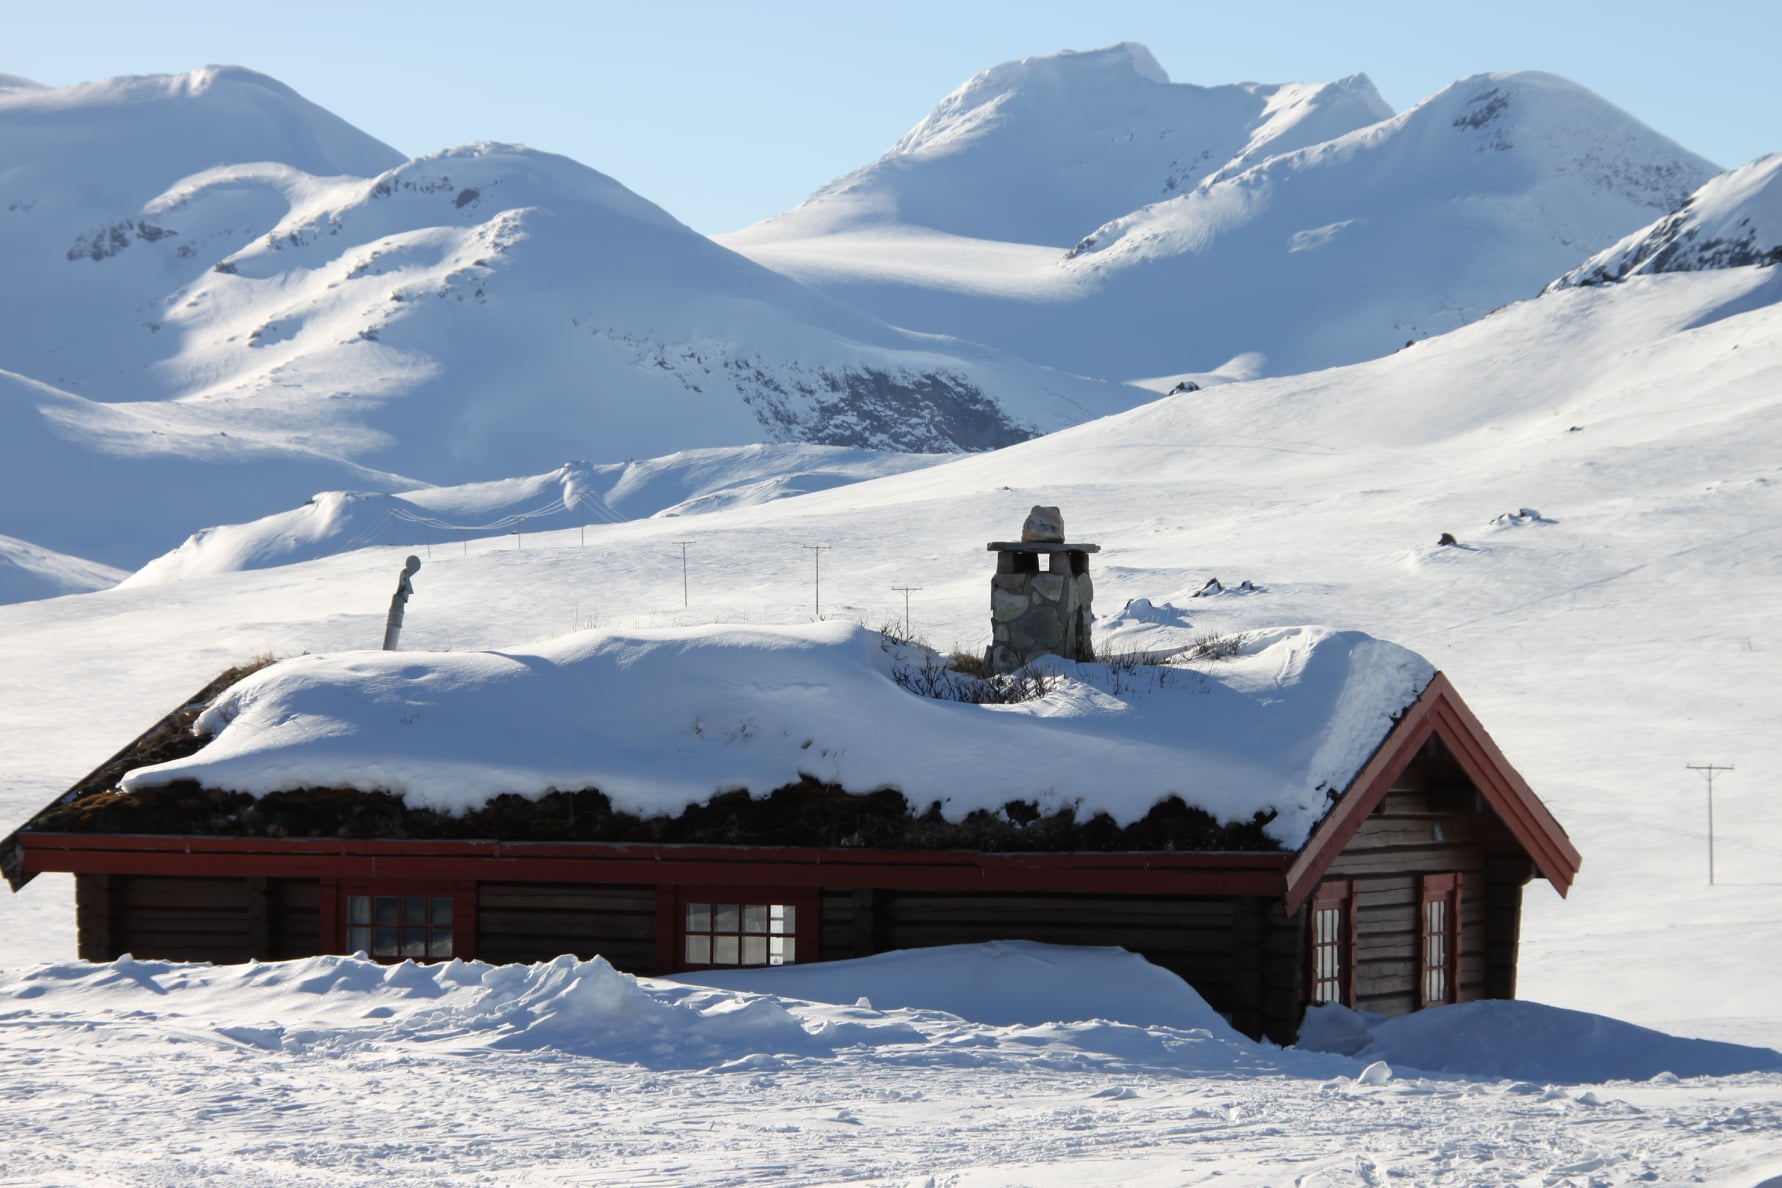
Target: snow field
point(331, 1070)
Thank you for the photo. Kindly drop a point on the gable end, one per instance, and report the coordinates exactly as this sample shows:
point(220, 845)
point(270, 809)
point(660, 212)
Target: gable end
point(1439, 712)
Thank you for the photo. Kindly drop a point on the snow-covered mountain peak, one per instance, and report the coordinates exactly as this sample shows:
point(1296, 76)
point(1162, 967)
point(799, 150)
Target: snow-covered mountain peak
point(1040, 150)
point(169, 125)
point(1732, 221)
point(1557, 154)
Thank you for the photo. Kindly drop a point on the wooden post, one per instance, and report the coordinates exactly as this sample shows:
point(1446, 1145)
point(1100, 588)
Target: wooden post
point(866, 922)
point(1247, 982)
point(258, 928)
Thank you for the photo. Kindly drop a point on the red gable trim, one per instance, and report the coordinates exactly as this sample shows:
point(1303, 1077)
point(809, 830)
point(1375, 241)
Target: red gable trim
point(591, 862)
point(1439, 711)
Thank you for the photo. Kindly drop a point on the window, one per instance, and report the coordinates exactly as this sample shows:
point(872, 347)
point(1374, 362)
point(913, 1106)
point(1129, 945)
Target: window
point(1439, 940)
point(406, 923)
point(1332, 977)
point(736, 928)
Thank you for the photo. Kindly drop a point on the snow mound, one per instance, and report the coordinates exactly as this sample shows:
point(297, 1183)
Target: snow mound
point(1733, 221)
point(1525, 1041)
point(584, 1007)
point(1003, 983)
point(662, 719)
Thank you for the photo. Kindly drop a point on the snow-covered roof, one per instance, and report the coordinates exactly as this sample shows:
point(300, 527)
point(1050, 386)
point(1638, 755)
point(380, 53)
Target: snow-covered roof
point(658, 720)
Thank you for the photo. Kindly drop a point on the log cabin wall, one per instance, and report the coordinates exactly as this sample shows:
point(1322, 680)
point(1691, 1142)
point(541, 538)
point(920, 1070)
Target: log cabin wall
point(1432, 822)
point(1245, 956)
point(173, 918)
point(526, 922)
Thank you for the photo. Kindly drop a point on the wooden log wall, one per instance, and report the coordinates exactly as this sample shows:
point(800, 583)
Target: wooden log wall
point(1244, 956)
point(196, 919)
point(1434, 829)
point(538, 921)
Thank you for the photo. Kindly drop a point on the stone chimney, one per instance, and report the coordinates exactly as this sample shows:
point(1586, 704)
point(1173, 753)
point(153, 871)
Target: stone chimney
point(1035, 613)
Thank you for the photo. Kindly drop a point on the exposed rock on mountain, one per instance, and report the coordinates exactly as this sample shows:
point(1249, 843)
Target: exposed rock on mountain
point(1733, 221)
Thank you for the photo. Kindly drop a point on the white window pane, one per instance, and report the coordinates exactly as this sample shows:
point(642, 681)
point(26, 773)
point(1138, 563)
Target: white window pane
point(788, 951)
point(724, 950)
point(754, 917)
point(724, 917)
point(358, 909)
point(359, 939)
point(786, 919)
point(699, 950)
point(754, 950)
point(699, 917)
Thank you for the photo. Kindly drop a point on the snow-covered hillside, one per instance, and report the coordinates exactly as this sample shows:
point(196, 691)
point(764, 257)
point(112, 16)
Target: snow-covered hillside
point(682, 483)
point(1303, 222)
point(27, 572)
point(1600, 454)
point(1733, 221)
point(206, 270)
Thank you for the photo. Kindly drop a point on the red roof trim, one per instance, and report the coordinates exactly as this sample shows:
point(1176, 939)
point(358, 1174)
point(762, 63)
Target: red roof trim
point(590, 862)
point(1439, 711)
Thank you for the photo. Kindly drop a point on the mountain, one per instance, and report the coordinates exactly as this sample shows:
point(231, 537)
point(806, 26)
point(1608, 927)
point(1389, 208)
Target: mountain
point(208, 272)
point(1308, 224)
point(1733, 221)
point(1041, 150)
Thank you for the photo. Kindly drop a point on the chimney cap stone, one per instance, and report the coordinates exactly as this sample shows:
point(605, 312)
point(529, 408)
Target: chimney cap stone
point(1042, 533)
point(1043, 524)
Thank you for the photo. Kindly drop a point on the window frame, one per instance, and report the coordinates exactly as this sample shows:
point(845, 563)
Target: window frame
point(1444, 890)
point(1338, 895)
point(671, 918)
point(461, 893)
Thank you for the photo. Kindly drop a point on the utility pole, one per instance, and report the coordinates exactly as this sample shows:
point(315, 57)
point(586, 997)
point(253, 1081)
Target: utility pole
point(817, 556)
point(905, 591)
point(683, 544)
point(1708, 769)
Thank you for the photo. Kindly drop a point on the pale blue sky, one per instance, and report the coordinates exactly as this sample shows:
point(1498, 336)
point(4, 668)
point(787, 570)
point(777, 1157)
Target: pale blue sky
point(728, 112)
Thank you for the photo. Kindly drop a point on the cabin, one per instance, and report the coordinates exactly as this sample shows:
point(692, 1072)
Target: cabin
point(1315, 817)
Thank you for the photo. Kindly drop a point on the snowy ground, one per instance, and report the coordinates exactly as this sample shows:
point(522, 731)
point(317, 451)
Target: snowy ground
point(334, 1070)
point(1627, 630)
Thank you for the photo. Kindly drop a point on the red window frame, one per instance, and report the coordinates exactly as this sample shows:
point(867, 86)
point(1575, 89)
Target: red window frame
point(337, 906)
point(672, 925)
point(1438, 940)
point(1331, 935)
